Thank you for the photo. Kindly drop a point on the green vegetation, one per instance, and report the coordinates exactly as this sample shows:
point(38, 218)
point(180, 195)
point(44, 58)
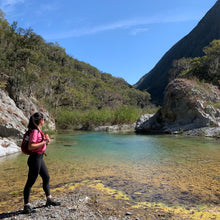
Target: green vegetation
point(88, 119)
point(75, 92)
point(205, 68)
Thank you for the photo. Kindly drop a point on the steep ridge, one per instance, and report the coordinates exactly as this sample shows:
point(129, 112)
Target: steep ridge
point(191, 45)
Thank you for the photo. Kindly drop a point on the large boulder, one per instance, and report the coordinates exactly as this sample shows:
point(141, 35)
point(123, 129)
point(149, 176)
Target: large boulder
point(14, 116)
point(12, 120)
point(188, 104)
point(144, 122)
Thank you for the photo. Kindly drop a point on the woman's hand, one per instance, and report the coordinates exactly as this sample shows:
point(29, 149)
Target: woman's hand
point(47, 138)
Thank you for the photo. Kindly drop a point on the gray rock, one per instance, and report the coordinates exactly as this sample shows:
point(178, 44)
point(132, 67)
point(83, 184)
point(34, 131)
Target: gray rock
point(143, 122)
point(128, 213)
point(206, 132)
point(30, 105)
point(12, 120)
point(187, 105)
point(116, 128)
point(8, 147)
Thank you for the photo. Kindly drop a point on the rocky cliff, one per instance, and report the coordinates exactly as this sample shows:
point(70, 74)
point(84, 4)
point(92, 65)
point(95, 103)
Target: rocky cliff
point(14, 119)
point(191, 46)
point(188, 105)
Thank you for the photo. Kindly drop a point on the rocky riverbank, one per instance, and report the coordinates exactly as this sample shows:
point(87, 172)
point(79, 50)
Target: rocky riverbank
point(116, 128)
point(73, 206)
point(86, 203)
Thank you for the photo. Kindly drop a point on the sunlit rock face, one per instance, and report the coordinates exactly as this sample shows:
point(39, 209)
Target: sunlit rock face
point(12, 120)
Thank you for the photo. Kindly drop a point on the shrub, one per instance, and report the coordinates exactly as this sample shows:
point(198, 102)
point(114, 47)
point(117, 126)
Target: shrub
point(89, 119)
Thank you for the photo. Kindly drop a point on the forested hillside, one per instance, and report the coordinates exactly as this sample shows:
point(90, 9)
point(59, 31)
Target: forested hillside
point(61, 83)
point(205, 68)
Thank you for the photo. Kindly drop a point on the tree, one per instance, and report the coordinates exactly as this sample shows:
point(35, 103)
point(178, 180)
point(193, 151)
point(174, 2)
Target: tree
point(14, 26)
point(205, 68)
point(179, 67)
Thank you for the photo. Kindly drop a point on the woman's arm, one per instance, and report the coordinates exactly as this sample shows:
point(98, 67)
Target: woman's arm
point(32, 146)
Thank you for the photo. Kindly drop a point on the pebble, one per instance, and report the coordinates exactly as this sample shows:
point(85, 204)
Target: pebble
point(128, 213)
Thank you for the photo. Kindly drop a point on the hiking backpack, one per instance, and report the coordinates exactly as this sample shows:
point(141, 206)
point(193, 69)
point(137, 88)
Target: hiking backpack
point(24, 144)
point(25, 141)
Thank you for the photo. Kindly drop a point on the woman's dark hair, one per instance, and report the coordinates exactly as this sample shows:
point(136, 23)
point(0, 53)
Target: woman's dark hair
point(35, 120)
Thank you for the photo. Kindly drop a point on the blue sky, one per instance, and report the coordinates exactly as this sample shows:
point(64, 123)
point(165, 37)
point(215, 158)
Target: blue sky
point(125, 38)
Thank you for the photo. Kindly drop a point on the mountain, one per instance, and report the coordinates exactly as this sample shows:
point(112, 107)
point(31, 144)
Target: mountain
point(190, 46)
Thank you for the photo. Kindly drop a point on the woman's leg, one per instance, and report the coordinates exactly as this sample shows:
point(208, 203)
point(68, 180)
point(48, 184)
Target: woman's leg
point(45, 177)
point(34, 163)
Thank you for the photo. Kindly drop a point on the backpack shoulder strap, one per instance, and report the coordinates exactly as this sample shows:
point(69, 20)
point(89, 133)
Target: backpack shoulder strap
point(42, 134)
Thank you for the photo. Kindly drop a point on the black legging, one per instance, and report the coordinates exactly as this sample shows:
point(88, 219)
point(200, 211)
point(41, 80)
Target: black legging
point(36, 166)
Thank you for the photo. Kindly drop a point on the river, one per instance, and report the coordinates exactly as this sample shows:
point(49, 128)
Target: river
point(175, 171)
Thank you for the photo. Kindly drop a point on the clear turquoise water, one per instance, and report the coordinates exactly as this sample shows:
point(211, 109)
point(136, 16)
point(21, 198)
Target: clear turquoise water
point(161, 169)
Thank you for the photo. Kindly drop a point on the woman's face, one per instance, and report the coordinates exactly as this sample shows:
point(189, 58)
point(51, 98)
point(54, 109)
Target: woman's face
point(41, 122)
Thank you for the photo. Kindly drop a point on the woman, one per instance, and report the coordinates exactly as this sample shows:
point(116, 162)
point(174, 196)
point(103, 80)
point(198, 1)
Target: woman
point(37, 145)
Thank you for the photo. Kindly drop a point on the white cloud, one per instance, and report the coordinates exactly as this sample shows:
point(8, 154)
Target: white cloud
point(135, 26)
point(45, 8)
point(136, 31)
point(9, 5)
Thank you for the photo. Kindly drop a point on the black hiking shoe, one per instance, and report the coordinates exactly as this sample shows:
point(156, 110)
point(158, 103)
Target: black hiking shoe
point(51, 202)
point(28, 210)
